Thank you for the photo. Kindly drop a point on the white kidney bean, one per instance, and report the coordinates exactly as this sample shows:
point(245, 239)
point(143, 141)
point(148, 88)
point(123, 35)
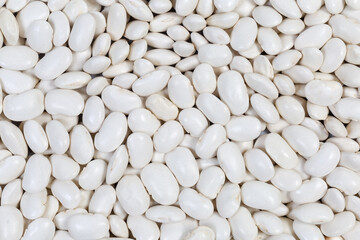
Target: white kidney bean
point(93, 175)
point(321, 33)
point(210, 140)
point(243, 225)
point(132, 195)
point(165, 142)
point(181, 92)
point(231, 162)
point(210, 181)
point(165, 214)
point(140, 147)
point(9, 26)
point(239, 41)
point(12, 223)
point(36, 174)
point(41, 28)
point(337, 21)
point(67, 193)
point(232, 91)
point(160, 183)
point(219, 225)
point(228, 200)
point(88, 225)
point(309, 191)
point(286, 179)
point(301, 139)
point(103, 200)
point(195, 204)
point(12, 193)
point(32, 205)
point(268, 223)
point(142, 120)
point(109, 138)
point(313, 213)
point(344, 179)
point(60, 26)
point(182, 164)
point(259, 164)
point(143, 228)
point(63, 167)
point(41, 228)
point(264, 108)
point(151, 83)
point(334, 199)
point(342, 223)
point(210, 101)
point(280, 152)
point(162, 107)
point(49, 68)
point(193, 121)
point(253, 191)
point(306, 230)
point(18, 57)
point(216, 55)
point(11, 168)
point(80, 136)
point(58, 137)
point(178, 230)
point(15, 82)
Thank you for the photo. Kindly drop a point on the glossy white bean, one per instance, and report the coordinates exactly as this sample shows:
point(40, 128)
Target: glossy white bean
point(195, 204)
point(49, 67)
point(117, 165)
point(243, 225)
point(210, 140)
point(36, 174)
point(239, 41)
point(254, 193)
point(143, 228)
point(132, 195)
point(82, 226)
point(18, 57)
point(63, 167)
point(344, 179)
point(313, 213)
point(41, 228)
point(182, 164)
point(12, 223)
point(67, 193)
point(58, 136)
point(80, 138)
point(301, 139)
point(232, 91)
point(11, 168)
point(165, 142)
point(165, 214)
point(109, 137)
point(232, 162)
point(93, 175)
point(228, 200)
point(160, 183)
point(13, 138)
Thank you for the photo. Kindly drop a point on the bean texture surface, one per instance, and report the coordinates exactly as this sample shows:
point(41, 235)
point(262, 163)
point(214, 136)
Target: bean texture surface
point(180, 119)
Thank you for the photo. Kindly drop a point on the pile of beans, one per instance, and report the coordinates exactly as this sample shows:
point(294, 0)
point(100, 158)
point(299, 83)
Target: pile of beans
point(183, 119)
